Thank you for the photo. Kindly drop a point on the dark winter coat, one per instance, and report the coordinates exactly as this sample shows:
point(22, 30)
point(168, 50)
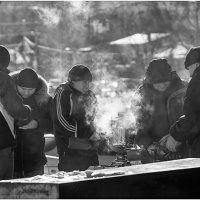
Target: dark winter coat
point(29, 153)
point(73, 114)
point(187, 127)
point(14, 106)
point(159, 110)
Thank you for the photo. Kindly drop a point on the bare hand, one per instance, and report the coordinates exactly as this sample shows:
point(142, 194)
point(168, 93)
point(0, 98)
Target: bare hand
point(172, 144)
point(163, 140)
point(31, 125)
point(94, 137)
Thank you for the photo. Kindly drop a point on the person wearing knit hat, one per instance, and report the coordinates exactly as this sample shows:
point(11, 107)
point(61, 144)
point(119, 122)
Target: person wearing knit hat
point(79, 73)
point(186, 129)
point(79, 78)
point(27, 78)
point(29, 154)
point(74, 106)
point(11, 108)
point(192, 60)
point(159, 74)
point(162, 94)
point(192, 57)
point(27, 82)
point(158, 71)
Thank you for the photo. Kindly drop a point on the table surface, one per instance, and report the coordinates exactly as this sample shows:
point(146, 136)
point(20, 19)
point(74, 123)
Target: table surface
point(142, 177)
point(173, 165)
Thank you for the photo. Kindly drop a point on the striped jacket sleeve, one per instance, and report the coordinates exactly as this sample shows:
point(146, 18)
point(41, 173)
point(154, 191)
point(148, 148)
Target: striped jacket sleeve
point(63, 106)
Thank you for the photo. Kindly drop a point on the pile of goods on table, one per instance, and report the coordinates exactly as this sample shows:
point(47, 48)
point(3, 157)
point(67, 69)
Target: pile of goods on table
point(63, 177)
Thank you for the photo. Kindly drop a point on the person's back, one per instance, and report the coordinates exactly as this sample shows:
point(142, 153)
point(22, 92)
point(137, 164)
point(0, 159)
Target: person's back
point(162, 102)
point(186, 129)
point(11, 107)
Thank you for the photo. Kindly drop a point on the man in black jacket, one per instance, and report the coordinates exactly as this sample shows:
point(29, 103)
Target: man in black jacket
point(187, 128)
point(11, 107)
point(73, 121)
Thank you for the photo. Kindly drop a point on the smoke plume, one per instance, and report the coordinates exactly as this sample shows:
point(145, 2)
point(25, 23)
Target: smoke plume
point(116, 115)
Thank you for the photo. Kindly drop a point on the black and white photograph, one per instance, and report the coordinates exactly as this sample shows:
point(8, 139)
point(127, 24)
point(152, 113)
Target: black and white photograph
point(99, 99)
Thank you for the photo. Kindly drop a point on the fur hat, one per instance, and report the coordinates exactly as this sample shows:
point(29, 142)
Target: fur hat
point(28, 78)
point(79, 73)
point(192, 57)
point(158, 71)
point(4, 59)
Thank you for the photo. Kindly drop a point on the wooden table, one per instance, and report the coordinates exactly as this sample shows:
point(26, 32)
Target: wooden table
point(170, 179)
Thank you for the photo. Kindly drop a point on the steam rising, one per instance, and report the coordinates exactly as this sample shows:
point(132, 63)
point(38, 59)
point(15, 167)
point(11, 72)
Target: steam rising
point(117, 106)
point(115, 114)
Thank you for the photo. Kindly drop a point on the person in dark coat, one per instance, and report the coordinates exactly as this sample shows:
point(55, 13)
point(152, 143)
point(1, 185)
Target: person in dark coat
point(73, 119)
point(29, 152)
point(162, 94)
point(11, 107)
point(187, 127)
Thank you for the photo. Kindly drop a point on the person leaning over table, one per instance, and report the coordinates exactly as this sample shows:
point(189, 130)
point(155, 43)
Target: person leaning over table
point(29, 152)
point(187, 127)
point(162, 93)
point(74, 108)
point(11, 107)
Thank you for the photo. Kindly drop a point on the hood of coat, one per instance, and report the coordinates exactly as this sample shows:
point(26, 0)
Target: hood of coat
point(175, 84)
point(42, 91)
point(158, 71)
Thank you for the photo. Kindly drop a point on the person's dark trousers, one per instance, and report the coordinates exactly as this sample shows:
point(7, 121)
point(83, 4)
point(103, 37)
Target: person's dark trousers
point(23, 174)
point(6, 163)
point(194, 147)
point(77, 160)
point(69, 163)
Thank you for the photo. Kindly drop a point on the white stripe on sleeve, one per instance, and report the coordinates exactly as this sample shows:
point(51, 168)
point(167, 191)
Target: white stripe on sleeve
point(71, 104)
point(61, 119)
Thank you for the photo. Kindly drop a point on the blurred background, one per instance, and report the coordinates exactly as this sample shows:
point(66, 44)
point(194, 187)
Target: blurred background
point(114, 39)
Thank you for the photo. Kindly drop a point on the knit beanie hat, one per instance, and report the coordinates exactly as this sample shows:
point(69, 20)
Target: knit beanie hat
point(79, 73)
point(192, 57)
point(4, 59)
point(27, 78)
point(158, 71)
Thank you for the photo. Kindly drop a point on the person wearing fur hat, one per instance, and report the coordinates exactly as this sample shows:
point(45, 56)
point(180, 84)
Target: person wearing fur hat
point(11, 107)
point(73, 119)
point(162, 94)
point(29, 152)
point(187, 127)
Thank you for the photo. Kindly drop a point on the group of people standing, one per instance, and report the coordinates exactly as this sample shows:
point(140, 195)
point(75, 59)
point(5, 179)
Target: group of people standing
point(25, 116)
point(27, 111)
point(168, 124)
point(169, 115)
